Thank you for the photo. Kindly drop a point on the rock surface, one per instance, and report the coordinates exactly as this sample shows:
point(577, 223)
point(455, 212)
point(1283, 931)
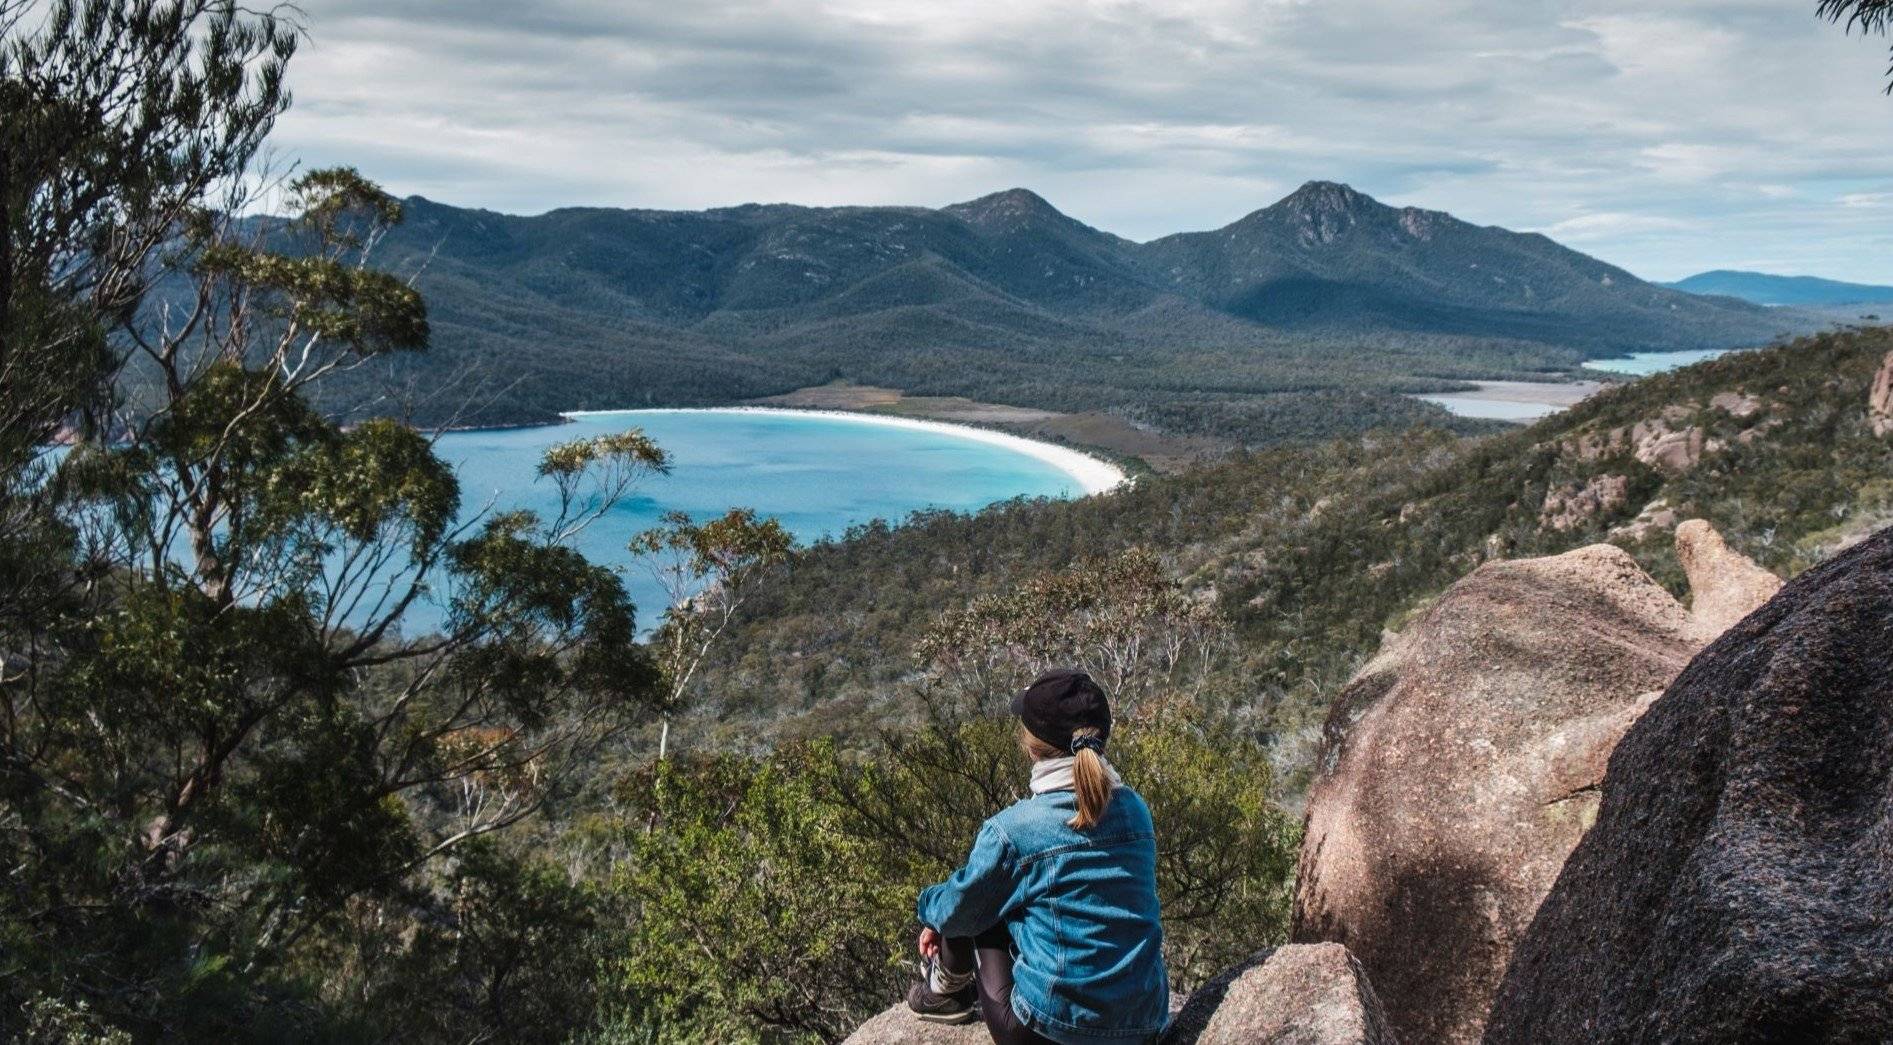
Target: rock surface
point(1657, 515)
point(1659, 447)
point(1738, 884)
point(1666, 441)
point(1574, 504)
point(899, 1026)
point(1672, 440)
point(1463, 765)
point(1738, 405)
point(1301, 994)
point(1880, 399)
point(1309, 994)
point(1724, 585)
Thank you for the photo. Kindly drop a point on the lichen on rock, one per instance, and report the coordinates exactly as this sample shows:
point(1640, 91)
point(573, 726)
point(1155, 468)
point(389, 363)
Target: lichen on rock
point(1301, 994)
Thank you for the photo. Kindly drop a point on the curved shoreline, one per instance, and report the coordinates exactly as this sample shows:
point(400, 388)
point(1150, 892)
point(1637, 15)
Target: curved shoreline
point(1093, 474)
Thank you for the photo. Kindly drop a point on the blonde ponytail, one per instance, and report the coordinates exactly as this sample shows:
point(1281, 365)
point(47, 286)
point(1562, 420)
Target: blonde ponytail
point(1089, 780)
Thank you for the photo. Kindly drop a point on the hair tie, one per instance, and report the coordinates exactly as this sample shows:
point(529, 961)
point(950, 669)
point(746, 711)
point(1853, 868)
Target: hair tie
point(1086, 743)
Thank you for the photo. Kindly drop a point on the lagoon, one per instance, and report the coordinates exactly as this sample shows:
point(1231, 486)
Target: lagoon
point(818, 473)
point(1519, 401)
point(1645, 363)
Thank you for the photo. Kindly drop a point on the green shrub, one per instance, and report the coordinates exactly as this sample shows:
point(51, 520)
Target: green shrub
point(776, 897)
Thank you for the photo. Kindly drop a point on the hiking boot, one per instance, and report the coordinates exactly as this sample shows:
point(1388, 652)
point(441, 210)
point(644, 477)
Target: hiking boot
point(956, 1006)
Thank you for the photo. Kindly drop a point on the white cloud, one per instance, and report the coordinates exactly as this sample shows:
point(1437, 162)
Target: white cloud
point(1592, 228)
point(1691, 161)
point(1665, 141)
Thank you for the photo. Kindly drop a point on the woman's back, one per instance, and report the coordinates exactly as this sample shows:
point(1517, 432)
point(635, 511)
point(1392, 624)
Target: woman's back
point(1081, 908)
point(1088, 930)
point(1055, 912)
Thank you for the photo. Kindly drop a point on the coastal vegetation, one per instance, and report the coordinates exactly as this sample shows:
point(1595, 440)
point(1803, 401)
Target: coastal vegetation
point(1312, 552)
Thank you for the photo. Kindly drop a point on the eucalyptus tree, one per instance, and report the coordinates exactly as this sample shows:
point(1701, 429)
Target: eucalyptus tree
point(1868, 16)
point(217, 730)
point(1121, 617)
point(707, 571)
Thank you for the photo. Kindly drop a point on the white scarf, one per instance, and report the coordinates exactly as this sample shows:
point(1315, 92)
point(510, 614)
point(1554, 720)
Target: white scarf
point(1055, 774)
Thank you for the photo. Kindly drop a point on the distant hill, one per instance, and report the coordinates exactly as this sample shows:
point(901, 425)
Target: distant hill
point(1330, 257)
point(1765, 289)
point(1006, 299)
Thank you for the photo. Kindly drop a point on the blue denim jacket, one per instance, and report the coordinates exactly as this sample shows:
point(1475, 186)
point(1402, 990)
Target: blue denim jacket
point(1082, 910)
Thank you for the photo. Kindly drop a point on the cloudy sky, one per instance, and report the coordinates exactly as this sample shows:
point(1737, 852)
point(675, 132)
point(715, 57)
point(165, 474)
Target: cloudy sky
point(1667, 136)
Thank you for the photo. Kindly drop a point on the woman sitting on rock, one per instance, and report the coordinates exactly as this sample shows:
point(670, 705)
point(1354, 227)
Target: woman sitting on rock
point(1052, 928)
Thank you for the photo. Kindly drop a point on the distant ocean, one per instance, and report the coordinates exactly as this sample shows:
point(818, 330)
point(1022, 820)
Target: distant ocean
point(817, 473)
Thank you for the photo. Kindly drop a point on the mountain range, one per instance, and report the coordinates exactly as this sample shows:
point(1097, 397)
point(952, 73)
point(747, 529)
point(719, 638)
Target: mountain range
point(1318, 311)
point(1764, 288)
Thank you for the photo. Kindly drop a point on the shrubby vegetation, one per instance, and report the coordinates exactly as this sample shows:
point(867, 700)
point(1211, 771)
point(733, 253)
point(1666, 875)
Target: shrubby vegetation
point(1311, 552)
point(738, 867)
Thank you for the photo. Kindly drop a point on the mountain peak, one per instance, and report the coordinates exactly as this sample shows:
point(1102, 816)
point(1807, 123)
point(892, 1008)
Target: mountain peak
point(1319, 211)
point(1018, 197)
point(1326, 197)
point(1010, 207)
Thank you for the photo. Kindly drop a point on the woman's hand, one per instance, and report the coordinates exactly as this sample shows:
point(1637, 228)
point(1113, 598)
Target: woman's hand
point(929, 942)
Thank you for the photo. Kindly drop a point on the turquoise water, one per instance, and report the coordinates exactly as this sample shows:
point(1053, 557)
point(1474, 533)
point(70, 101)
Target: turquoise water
point(818, 474)
point(1642, 363)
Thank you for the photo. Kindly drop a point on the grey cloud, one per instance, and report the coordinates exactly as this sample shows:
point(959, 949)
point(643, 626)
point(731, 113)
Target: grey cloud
point(1647, 129)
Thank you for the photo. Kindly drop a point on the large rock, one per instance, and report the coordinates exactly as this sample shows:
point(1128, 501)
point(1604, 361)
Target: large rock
point(899, 1026)
point(1302, 994)
point(1724, 585)
point(1463, 766)
point(1738, 405)
point(1655, 516)
point(1738, 883)
point(1296, 995)
point(1666, 441)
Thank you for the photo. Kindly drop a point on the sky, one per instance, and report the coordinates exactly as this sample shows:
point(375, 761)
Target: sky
point(1666, 136)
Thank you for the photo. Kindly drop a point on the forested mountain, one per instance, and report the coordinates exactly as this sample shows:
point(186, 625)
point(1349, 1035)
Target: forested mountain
point(1006, 299)
point(1764, 288)
point(1328, 257)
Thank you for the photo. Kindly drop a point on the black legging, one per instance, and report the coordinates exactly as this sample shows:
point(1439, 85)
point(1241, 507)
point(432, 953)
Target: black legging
point(991, 954)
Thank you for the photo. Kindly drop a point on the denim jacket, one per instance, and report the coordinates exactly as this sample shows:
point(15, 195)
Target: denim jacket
point(1082, 910)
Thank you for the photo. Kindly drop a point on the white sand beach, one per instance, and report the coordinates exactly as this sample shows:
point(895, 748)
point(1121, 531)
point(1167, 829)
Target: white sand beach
point(1093, 474)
